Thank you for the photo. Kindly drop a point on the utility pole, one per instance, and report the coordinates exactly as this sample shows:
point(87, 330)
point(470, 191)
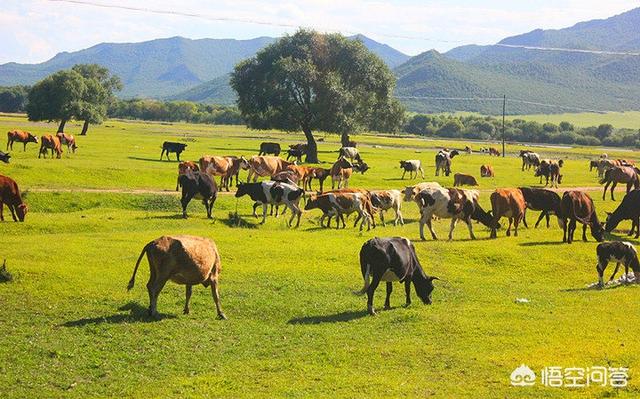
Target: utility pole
point(504, 108)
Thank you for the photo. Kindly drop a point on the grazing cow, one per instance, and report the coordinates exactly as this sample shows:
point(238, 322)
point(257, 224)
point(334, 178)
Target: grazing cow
point(393, 259)
point(549, 169)
point(215, 166)
point(274, 193)
point(49, 142)
point(629, 208)
point(68, 140)
point(349, 202)
point(443, 161)
point(200, 185)
point(412, 166)
point(183, 259)
point(269, 148)
point(295, 153)
point(4, 157)
point(452, 203)
point(388, 199)
point(619, 252)
point(260, 166)
point(468, 150)
point(349, 152)
point(540, 199)
point(183, 167)
point(529, 159)
point(460, 179)
point(286, 176)
point(594, 165)
point(493, 151)
point(487, 171)
point(620, 174)
point(340, 173)
point(21, 137)
point(169, 146)
point(410, 192)
point(10, 195)
point(507, 202)
point(323, 203)
point(605, 164)
point(321, 174)
point(304, 174)
point(578, 206)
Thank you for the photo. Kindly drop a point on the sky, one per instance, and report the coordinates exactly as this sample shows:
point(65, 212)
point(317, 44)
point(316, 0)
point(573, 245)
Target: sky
point(33, 31)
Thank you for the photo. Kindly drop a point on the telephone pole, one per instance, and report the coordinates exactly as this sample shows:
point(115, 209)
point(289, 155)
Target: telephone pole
point(504, 108)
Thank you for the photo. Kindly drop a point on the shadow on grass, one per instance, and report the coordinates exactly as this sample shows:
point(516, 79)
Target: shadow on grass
point(595, 288)
point(334, 318)
point(177, 216)
point(539, 243)
point(153, 159)
point(137, 313)
point(235, 220)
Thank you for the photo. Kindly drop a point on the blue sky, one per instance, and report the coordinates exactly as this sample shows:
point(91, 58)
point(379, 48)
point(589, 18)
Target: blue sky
point(35, 30)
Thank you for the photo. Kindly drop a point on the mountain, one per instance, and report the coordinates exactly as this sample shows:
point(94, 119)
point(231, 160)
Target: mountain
point(165, 67)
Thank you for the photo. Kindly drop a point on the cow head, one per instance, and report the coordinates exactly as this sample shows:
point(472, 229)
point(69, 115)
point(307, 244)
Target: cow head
point(312, 202)
point(425, 199)
point(424, 288)
point(611, 222)
point(244, 164)
point(560, 163)
point(31, 138)
point(453, 153)
point(242, 190)
point(21, 211)
point(361, 167)
point(597, 231)
point(4, 157)
point(402, 163)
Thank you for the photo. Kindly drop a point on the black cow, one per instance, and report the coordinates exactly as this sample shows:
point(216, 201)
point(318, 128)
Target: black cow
point(393, 259)
point(269, 148)
point(629, 208)
point(540, 199)
point(620, 252)
point(199, 184)
point(296, 153)
point(169, 146)
point(4, 157)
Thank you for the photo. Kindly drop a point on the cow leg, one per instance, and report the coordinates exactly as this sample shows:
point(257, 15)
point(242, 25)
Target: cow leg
point(162, 154)
point(216, 298)
point(604, 192)
point(637, 223)
point(399, 216)
point(407, 291)
point(403, 173)
point(208, 205)
point(470, 225)
point(421, 172)
point(178, 156)
point(185, 201)
point(187, 298)
point(382, 218)
point(615, 271)
point(255, 206)
point(524, 218)
point(24, 146)
point(600, 268)
point(584, 232)
point(370, 291)
point(264, 213)
point(344, 225)
point(387, 303)
point(516, 223)
point(509, 228)
point(572, 229)
point(13, 212)
point(613, 186)
point(454, 221)
point(2, 211)
point(154, 287)
point(355, 223)
point(564, 230)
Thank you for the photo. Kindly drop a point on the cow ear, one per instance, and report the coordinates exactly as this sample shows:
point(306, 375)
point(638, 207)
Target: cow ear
point(433, 278)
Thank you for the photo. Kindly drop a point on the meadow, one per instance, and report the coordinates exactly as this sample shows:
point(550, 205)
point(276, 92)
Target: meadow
point(70, 328)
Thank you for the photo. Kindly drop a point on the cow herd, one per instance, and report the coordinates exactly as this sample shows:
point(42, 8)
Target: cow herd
point(48, 142)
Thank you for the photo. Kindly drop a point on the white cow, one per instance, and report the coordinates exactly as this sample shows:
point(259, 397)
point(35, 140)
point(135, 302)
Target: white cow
point(412, 166)
point(411, 191)
point(454, 204)
point(388, 199)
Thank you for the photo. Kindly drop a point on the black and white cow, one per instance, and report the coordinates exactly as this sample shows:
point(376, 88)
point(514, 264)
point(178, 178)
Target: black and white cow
point(388, 199)
point(351, 153)
point(200, 185)
point(4, 157)
point(619, 252)
point(273, 193)
point(413, 166)
point(393, 259)
point(443, 161)
point(529, 159)
point(169, 146)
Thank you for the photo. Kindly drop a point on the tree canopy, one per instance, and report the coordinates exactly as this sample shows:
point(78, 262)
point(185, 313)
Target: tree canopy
point(98, 95)
point(311, 81)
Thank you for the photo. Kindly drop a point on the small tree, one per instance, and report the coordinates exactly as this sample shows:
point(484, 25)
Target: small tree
point(603, 131)
point(312, 81)
point(57, 97)
point(98, 96)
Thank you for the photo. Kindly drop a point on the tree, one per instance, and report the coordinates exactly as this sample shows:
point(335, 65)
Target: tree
point(98, 96)
point(451, 127)
point(57, 97)
point(312, 81)
point(603, 131)
point(566, 126)
point(13, 99)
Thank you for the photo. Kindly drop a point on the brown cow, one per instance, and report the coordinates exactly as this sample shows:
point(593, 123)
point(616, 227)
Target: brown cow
point(620, 174)
point(460, 179)
point(68, 140)
point(304, 173)
point(50, 142)
point(486, 171)
point(21, 137)
point(508, 202)
point(340, 172)
point(234, 170)
point(578, 206)
point(260, 166)
point(10, 195)
point(183, 259)
point(183, 167)
point(321, 174)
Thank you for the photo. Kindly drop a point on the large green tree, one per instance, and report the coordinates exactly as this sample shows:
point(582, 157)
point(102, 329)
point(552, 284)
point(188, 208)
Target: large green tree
point(57, 97)
point(311, 81)
point(97, 97)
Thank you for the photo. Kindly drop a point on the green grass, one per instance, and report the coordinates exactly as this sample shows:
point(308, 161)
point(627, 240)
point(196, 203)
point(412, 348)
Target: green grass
point(629, 119)
point(70, 328)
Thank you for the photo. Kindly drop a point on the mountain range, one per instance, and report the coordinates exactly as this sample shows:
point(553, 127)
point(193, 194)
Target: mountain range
point(198, 70)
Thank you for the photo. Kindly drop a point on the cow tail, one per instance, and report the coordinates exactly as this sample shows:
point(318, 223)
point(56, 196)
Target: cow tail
point(135, 270)
point(365, 268)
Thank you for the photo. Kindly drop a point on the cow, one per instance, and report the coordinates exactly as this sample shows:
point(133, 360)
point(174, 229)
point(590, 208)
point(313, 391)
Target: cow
point(275, 193)
point(493, 151)
point(21, 137)
point(340, 173)
point(183, 167)
point(629, 208)
point(169, 146)
point(323, 203)
point(468, 150)
point(297, 151)
point(304, 174)
point(410, 192)
point(286, 176)
point(260, 166)
point(619, 252)
point(4, 157)
point(605, 164)
point(393, 259)
point(321, 174)
point(486, 171)
point(549, 169)
point(620, 174)
point(235, 164)
point(349, 202)
point(578, 206)
point(460, 179)
point(200, 185)
point(183, 259)
point(215, 166)
point(540, 199)
point(507, 202)
point(269, 148)
point(388, 199)
point(594, 165)
point(529, 159)
point(349, 152)
point(50, 142)
point(10, 195)
point(443, 161)
point(68, 140)
point(452, 203)
point(412, 166)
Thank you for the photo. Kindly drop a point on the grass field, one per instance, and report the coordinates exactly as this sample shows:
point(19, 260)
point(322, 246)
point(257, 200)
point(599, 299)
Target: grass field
point(629, 119)
point(70, 328)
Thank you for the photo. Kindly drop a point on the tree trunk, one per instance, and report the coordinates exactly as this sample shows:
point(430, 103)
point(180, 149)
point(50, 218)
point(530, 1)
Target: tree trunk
point(85, 127)
point(312, 147)
point(61, 126)
point(345, 139)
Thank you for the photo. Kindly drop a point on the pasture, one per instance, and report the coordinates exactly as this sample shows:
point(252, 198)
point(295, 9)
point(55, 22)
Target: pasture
point(70, 328)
